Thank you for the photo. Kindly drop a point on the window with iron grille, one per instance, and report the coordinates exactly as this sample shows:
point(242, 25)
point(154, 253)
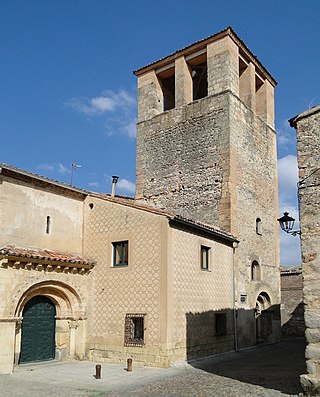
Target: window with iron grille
point(120, 253)
point(134, 330)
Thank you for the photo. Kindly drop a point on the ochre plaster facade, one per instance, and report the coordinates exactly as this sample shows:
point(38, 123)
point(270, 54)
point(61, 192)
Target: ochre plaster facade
point(26, 201)
point(163, 281)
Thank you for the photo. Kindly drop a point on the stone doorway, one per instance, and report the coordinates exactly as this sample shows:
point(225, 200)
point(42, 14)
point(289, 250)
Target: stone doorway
point(38, 330)
point(264, 316)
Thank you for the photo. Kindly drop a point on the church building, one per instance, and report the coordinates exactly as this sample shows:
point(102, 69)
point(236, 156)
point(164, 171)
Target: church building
point(189, 267)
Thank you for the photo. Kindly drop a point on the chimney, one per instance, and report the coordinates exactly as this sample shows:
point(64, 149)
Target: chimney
point(114, 182)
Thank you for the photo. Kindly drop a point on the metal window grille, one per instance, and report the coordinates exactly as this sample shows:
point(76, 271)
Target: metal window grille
point(134, 330)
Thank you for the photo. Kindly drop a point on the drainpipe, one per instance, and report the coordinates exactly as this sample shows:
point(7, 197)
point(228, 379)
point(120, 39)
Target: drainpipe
point(114, 182)
point(235, 330)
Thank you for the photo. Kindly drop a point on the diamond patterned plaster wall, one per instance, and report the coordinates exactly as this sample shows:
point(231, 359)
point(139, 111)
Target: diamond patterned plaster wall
point(199, 294)
point(117, 291)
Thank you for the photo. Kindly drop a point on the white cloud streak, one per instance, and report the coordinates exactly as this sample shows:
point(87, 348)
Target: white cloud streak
point(46, 167)
point(63, 170)
point(288, 174)
point(127, 186)
point(119, 109)
point(288, 178)
point(286, 138)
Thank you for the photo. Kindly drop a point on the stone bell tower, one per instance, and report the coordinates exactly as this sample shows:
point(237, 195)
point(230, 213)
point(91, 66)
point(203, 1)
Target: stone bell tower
point(206, 150)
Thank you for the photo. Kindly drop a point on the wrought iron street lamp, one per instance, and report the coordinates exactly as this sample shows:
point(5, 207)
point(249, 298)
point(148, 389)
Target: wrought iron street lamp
point(286, 223)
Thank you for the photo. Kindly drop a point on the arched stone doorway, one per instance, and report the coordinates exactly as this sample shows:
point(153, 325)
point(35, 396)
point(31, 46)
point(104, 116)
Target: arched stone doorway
point(264, 317)
point(60, 305)
point(38, 330)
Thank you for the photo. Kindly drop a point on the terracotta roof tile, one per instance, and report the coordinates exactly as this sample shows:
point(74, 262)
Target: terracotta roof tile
point(44, 254)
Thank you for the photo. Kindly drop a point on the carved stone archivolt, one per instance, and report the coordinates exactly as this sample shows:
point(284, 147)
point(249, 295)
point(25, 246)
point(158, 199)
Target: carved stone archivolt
point(70, 304)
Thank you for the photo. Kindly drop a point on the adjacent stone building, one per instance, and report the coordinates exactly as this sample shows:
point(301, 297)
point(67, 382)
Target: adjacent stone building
point(206, 149)
point(307, 125)
point(292, 308)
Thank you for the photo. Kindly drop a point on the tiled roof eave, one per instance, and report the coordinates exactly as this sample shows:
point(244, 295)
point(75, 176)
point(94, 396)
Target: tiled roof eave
point(20, 174)
point(12, 253)
point(200, 44)
point(205, 228)
point(47, 261)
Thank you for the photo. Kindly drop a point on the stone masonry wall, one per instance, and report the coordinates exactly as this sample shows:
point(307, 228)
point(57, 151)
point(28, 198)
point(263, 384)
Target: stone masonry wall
point(308, 137)
point(254, 193)
point(215, 161)
point(292, 310)
point(183, 160)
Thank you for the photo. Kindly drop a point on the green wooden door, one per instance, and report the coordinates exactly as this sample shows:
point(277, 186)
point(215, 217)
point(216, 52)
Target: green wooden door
point(38, 330)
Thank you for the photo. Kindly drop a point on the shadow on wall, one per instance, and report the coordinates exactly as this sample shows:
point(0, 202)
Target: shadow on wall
point(212, 332)
point(275, 366)
point(295, 326)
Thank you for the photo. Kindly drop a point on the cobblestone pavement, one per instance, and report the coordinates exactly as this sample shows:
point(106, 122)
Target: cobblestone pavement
point(269, 371)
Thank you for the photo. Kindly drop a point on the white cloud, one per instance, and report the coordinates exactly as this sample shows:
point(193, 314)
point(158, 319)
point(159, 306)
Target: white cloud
point(46, 167)
point(290, 253)
point(63, 170)
point(119, 109)
point(288, 202)
point(93, 184)
point(103, 104)
point(285, 133)
point(288, 177)
point(290, 249)
point(123, 185)
point(127, 186)
point(130, 128)
point(286, 138)
point(108, 101)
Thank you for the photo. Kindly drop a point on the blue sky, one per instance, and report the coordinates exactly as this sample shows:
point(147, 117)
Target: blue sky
point(68, 93)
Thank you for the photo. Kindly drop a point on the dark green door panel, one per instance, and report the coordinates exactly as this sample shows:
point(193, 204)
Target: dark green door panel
point(38, 330)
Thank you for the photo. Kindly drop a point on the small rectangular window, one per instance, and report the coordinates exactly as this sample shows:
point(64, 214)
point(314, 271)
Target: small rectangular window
point(48, 225)
point(120, 253)
point(205, 257)
point(134, 330)
point(220, 324)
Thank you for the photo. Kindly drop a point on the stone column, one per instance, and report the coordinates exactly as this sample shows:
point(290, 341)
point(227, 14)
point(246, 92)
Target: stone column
point(150, 97)
point(183, 82)
point(247, 87)
point(265, 103)
point(7, 344)
point(73, 325)
point(223, 66)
